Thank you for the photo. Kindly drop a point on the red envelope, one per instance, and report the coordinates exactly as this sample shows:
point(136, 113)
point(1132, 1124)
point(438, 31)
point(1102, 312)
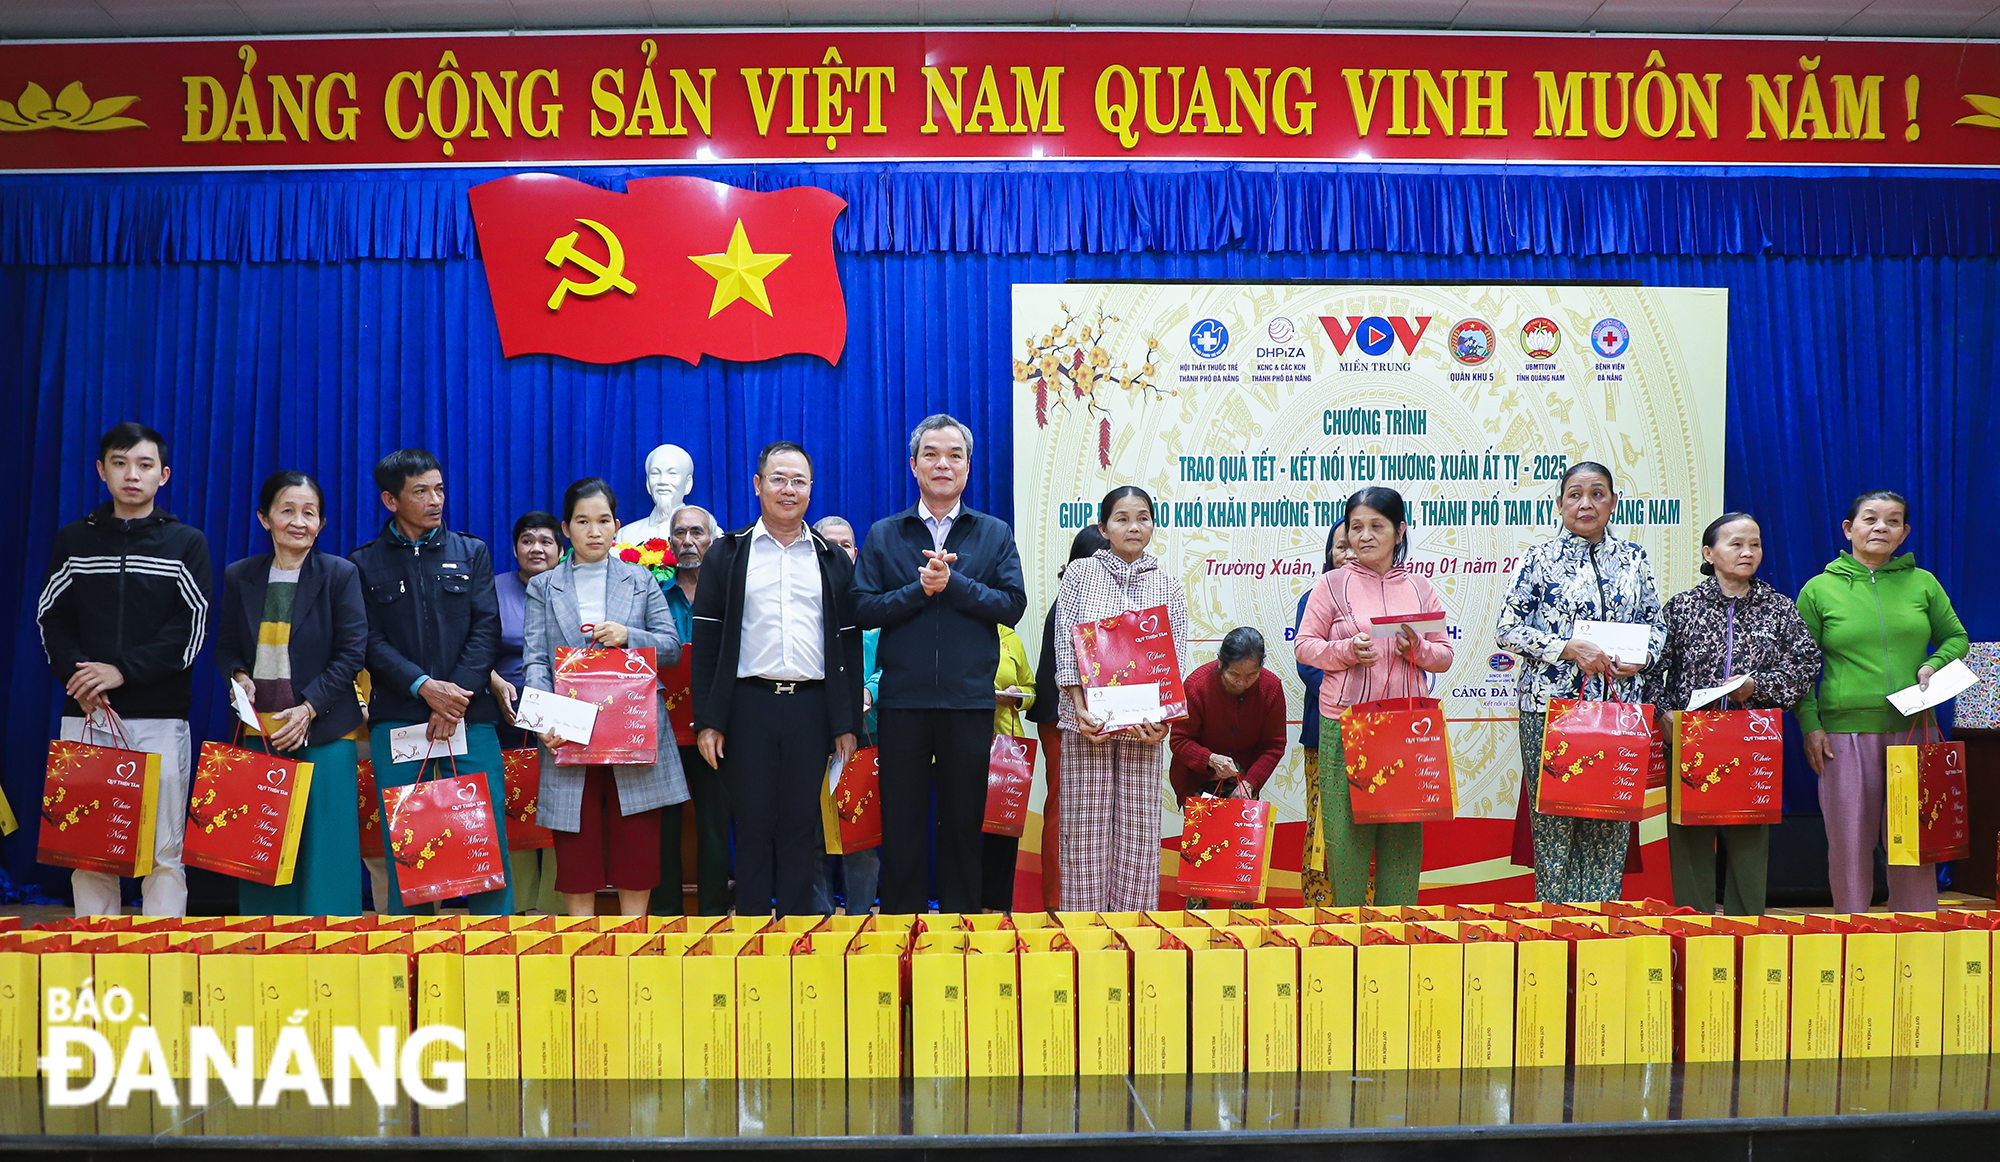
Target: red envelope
point(1132, 648)
point(1225, 848)
point(523, 773)
point(851, 814)
point(443, 838)
point(1010, 773)
point(97, 809)
point(245, 814)
point(1595, 756)
point(1728, 767)
point(675, 687)
point(369, 805)
point(1398, 762)
point(622, 684)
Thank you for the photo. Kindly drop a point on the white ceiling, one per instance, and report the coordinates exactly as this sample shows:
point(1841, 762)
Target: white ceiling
point(111, 18)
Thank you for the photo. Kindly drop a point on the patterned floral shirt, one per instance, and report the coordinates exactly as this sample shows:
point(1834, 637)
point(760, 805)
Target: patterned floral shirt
point(1564, 581)
point(1104, 585)
point(1767, 640)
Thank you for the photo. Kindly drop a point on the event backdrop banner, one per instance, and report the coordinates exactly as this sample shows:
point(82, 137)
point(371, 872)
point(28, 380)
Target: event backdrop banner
point(505, 98)
point(1251, 412)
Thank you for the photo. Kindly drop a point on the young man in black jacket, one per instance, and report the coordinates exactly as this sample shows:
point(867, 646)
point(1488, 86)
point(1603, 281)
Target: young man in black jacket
point(776, 681)
point(939, 579)
point(123, 613)
point(433, 628)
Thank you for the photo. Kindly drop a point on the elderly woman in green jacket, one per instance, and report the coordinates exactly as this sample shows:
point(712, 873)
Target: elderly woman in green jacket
point(1883, 624)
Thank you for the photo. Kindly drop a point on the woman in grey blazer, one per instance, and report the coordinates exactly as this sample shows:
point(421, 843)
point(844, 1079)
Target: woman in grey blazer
point(606, 819)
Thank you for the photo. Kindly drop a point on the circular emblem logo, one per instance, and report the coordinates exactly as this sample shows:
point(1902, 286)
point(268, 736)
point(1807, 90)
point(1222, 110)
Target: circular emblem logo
point(1500, 663)
point(1208, 338)
point(1609, 338)
point(1540, 338)
point(1472, 342)
point(1374, 335)
point(1281, 330)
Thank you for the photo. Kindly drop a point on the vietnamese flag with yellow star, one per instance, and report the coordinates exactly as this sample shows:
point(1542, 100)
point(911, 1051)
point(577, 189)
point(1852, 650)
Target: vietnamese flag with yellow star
point(677, 266)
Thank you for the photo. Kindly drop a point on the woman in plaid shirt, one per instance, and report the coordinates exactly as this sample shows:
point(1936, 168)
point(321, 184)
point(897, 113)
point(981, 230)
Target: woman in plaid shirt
point(1112, 781)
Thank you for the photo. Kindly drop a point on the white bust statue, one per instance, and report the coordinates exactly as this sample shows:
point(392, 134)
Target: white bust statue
point(669, 481)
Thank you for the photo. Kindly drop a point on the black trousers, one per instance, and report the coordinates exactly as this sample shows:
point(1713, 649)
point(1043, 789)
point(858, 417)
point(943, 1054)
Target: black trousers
point(926, 752)
point(710, 804)
point(774, 757)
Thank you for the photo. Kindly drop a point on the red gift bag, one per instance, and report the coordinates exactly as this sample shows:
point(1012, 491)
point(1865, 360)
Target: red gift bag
point(443, 837)
point(1225, 848)
point(676, 688)
point(851, 813)
point(523, 773)
point(98, 805)
point(1595, 757)
point(245, 814)
point(1398, 761)
point(369, 805)
point(1010, 772)
point(1926, 809)
point(622, 684)
point(1132, 648)
point(1728, 768)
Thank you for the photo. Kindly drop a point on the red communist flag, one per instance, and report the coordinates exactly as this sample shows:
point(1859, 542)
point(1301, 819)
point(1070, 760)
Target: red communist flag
point(673, 266)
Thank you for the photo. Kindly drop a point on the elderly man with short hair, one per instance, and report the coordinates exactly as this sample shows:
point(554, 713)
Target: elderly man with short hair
point(939, 579)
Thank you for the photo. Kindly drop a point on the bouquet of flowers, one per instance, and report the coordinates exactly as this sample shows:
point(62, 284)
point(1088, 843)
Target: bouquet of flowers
point(655, 555)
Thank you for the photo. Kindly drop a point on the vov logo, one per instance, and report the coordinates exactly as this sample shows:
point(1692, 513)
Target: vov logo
point(1375, 334)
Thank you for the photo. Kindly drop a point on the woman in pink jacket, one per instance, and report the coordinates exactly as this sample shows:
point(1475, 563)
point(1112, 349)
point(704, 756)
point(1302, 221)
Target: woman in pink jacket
point(1362, 667)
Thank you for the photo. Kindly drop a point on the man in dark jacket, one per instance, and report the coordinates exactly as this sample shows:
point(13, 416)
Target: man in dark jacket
point(433, 629)
point(776, 680)
point(939, 579)
point(123, 614)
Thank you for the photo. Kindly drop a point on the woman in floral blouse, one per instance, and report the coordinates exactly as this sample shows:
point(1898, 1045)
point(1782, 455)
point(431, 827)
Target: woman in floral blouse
point(1582, 574)
point(1731, 626)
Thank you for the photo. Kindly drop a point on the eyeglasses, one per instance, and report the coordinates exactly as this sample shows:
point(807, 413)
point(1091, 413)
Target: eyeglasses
point(788, 483)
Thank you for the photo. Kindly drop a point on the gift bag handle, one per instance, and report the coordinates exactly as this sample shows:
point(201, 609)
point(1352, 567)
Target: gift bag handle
point(113, 728)
point(1927, 720)
point(425, 765)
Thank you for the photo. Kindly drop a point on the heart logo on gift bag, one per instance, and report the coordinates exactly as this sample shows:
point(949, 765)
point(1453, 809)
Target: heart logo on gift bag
point(1017, 749)
point(275, 777)
point(466, 791)
point(128, 769)
point(1951, 757)
point(1421, 726)
point(1149, 623)
point(1764, 725)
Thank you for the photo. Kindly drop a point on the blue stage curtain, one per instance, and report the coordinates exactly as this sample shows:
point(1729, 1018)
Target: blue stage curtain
point(318, 321)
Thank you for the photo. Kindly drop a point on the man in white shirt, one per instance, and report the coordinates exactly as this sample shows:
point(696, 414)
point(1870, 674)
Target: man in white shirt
point(776, 680)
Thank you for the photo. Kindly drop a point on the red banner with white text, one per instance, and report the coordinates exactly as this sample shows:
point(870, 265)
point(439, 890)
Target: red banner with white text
point(834, 95)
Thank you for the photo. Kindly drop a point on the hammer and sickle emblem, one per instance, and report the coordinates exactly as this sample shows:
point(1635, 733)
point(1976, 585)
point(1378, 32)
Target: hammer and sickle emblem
point(606, 275)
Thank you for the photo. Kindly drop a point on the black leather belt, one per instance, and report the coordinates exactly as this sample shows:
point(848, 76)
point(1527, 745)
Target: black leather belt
point(784, 685)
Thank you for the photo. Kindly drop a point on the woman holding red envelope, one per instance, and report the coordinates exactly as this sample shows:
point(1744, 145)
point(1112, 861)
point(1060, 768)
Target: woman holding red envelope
point(1339, 635)
point(1111, 777)
point(1583, 574)
point(1731, 626)
point(606, 820)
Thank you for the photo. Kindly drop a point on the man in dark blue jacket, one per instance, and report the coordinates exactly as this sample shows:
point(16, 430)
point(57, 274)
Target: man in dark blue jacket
point(433, 631)
point(939, 579)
